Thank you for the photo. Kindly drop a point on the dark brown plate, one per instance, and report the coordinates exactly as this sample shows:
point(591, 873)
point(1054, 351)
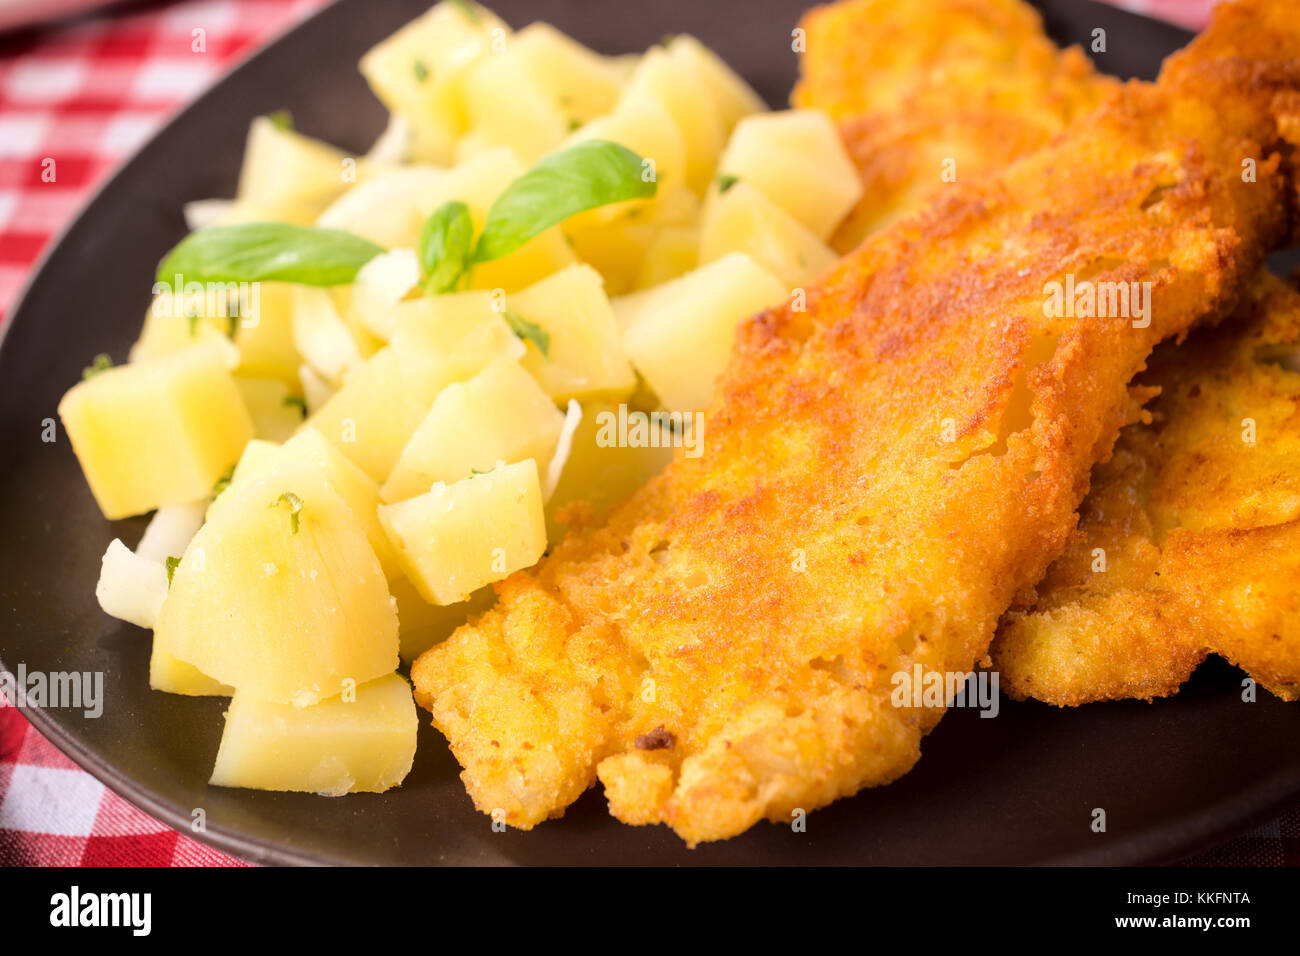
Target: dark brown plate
point(1172, 776)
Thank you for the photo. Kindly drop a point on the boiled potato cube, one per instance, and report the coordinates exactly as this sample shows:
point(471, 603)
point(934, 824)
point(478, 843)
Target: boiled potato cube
point(453, 539)
point(159, 432)
point(173, 676)
point(362, 742)
point(388, 208)
point(742, 219)
point(796, 159)
point(422, 625)
point(584, 356)
point(501, 414)
point(617, 244)
point(642, 123)
point(264, 336)
point(417, 71)
point(732, 96)
point(354, 486)
point(680, 339)
point(675, 83)
point(614, 247)
point(507, 107)
point(280, 594)
point(262, 333)
point(601, 472)
point(582, 83)
point(168, 330)
point(275, 413)
point(673, 252)
point(436, 341)
point(283, 166)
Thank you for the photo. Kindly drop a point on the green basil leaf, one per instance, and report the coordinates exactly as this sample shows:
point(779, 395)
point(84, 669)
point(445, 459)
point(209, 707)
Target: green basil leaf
point(270, 252)
point(530, 332)
point(446, 242)
point(594, 172)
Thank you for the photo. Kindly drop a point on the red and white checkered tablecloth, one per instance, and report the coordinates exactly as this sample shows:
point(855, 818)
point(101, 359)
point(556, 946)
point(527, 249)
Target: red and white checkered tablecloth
point(76, 100)
point(84, 95)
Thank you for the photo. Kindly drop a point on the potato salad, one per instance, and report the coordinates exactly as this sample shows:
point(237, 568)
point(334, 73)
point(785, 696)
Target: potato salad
point(368, 387)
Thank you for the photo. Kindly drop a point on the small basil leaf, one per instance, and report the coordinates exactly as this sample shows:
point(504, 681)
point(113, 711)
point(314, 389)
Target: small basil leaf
point(445, 244)
point(268, 251)
point(591, 173)
point(530, 332)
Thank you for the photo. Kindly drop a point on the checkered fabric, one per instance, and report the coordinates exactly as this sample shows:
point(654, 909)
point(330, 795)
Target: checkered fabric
point(78, 99)
point(74, 101)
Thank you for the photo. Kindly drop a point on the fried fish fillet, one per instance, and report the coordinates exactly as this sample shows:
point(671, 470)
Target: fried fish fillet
point(1189, 541)
point(883, 472)
point(935, 90)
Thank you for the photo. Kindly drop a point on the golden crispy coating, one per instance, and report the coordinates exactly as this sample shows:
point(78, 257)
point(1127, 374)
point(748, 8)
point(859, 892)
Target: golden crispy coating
point(924, 90)
point(1189, 541)
point(882, 474)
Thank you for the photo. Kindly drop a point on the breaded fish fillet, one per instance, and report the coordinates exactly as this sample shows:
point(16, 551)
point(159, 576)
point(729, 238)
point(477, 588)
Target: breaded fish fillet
point(933, 91)
point(1190, 537)
point(882, 474)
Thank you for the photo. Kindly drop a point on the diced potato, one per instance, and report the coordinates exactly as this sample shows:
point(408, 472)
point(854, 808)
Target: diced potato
point(322, 337)
point(282, 166)
point(436, 341)
point(681, 337)
point(501, 414)
point(582, 83)
point(263, 338)
point(733, 96)
point(315, 390)
point(354, 486)
point(796, 159)
point(166, 332)
point(456, 538)
point(676, 206)
point(477, 182)
point(388, 208)
point(673, 252)
point(643, 124)
point(742, 219)
point(422, 625)
point(506, 106)
point(584, 356)
point(258, 455)
point(173, 676)
point(170, 529)
point(675, 82)
point(382, 283)
point(130, 588)
point(358, 743)
point(275, 413)
point(280, 594)
point(417, 71)
point(615, 247)
point(603, 473)
point(159, 432)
